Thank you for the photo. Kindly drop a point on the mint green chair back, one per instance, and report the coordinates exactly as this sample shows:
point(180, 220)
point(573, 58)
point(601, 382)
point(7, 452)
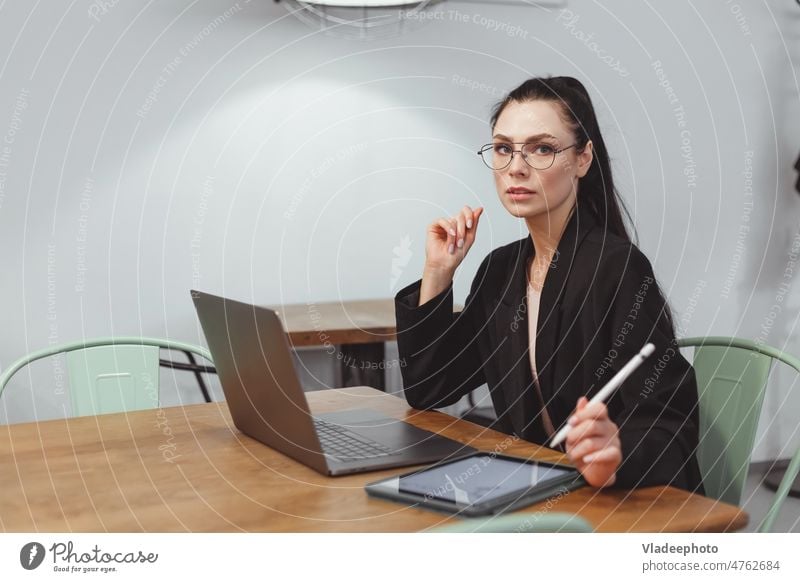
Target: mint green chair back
point(109, 374)
point(732, 376)
point(557, 522)
point(113, 379)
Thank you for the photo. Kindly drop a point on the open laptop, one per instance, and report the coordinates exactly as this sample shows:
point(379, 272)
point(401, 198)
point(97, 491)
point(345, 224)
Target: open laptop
point(266, 401)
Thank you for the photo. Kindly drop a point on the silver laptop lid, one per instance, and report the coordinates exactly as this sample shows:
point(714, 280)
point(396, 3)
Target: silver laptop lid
point(257, 373)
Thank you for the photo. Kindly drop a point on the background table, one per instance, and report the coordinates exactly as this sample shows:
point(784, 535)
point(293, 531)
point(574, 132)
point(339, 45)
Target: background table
point(188, 469)
point(359, 329)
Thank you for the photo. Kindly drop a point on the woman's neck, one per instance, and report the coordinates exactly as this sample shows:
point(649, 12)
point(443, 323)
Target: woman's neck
point(546, 230)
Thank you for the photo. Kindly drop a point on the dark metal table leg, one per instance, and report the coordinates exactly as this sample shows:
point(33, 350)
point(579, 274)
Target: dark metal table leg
point(194, 367)
point(363, 365)
point(775, 475)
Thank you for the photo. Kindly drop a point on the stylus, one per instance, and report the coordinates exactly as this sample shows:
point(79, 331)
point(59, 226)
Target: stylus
point(609, 388)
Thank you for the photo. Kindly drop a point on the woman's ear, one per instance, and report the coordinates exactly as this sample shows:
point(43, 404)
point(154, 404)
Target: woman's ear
point(585, 158)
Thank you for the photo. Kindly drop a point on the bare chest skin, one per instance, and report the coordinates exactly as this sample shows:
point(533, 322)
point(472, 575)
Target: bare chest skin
point(537, 271)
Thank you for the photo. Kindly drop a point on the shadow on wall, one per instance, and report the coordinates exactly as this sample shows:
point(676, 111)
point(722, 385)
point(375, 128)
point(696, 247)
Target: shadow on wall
point(773, 267)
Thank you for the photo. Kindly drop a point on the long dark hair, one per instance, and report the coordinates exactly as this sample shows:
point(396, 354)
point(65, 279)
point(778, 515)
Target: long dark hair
point(596, 189)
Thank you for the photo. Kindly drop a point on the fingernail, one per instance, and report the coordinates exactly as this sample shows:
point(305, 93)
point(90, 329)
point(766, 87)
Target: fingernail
point(571, 420)
point(469, 224)
point(460, 242)
point(589, 458)
point(450, 249)
point(452, 232)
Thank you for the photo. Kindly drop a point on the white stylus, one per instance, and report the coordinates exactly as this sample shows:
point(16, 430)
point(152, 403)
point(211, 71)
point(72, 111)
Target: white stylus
point(609, 388)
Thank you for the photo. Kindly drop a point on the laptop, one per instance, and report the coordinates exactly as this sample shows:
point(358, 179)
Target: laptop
point(266, 401)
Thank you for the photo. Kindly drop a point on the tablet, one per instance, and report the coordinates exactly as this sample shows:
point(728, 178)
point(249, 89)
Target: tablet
point(479, 484)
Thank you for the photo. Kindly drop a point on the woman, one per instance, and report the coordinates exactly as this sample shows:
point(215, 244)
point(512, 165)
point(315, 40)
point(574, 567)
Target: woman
point(552, 317)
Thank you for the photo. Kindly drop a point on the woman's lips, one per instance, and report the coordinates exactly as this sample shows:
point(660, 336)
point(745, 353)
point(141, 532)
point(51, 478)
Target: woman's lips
point(520, 194)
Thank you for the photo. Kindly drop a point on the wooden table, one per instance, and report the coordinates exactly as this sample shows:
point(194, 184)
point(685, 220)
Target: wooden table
point(188, 469)
point(359, 331)
point(341, 322)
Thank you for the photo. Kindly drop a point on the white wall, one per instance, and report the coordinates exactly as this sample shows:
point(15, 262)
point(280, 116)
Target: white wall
point(276, 163)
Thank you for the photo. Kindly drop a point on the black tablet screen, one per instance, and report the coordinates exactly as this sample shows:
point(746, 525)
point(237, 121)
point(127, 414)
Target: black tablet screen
point(478, 479)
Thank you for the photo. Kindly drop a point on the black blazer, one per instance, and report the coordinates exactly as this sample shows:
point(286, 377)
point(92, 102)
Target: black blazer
point(599, 305)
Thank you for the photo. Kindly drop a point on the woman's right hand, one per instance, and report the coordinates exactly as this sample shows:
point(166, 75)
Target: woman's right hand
point(444, 253)
point(449, 240)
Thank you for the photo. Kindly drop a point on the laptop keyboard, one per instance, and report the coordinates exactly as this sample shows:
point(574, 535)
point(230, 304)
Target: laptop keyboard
point(338, 442)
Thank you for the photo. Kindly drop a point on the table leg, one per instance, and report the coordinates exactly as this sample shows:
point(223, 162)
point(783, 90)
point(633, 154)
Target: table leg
point(775, 476)
point(363, 365)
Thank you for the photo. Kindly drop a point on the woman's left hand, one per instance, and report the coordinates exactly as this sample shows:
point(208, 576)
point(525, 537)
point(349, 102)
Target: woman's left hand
point(593, 443)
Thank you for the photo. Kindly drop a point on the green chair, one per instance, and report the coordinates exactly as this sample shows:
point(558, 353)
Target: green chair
point(112, 374)
point(557, 522)
point(732, 378)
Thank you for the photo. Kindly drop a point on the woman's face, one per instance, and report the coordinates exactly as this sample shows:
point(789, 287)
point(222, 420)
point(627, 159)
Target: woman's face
point(553, 189)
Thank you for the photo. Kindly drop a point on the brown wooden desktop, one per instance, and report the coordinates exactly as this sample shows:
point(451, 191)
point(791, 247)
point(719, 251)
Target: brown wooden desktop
point(189, 469)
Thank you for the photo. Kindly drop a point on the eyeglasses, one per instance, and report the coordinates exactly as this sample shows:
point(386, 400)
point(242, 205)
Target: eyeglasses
point(538, 156)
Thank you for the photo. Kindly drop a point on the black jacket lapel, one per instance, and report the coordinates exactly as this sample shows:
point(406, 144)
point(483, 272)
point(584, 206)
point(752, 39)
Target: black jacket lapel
point(550, 312)
point(512, 320)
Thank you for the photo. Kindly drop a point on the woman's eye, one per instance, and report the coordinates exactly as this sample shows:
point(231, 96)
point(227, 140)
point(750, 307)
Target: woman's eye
point(502, 149)
point(542, 149)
